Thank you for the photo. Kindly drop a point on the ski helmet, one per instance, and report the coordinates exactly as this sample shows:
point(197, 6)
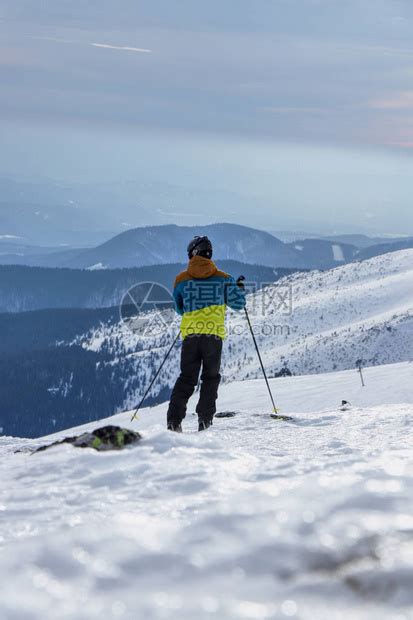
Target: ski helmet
point(200, 246)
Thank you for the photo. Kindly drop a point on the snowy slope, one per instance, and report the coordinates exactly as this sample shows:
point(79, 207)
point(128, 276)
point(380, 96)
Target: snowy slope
point(253, 519)
point(358, 311)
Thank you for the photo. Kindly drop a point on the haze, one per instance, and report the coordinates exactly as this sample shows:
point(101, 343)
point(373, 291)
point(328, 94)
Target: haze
point(286, 113)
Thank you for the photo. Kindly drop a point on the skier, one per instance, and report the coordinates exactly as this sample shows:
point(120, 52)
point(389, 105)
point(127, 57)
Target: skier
point(201, 294)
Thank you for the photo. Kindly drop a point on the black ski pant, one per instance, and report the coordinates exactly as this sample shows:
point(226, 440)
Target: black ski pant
point(197, 350)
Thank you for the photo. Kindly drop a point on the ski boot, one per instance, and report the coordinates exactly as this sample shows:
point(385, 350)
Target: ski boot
point(204, 424)
point(176, 428)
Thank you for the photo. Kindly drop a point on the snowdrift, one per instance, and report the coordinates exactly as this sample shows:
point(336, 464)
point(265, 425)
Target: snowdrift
point(252, 519)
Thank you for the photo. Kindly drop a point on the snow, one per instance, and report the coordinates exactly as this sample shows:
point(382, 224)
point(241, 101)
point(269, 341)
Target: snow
point(252, 519)
point(96, 267)
point(338, 253)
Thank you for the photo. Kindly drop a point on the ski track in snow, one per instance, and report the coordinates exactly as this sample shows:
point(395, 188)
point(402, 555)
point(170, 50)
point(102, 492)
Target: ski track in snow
point(253, 519)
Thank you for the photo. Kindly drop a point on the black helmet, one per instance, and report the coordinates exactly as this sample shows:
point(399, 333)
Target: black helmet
point(200, 246)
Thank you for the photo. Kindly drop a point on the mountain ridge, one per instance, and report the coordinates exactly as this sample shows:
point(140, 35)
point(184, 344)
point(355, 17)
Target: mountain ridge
point(167, 243)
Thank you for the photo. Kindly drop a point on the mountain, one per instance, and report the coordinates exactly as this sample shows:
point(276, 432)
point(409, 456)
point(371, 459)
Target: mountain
point(252, 519)
point(358, 311)
point(362, 241)
point(13, 246)
point(305, 323)
point(358, 240)
point(323, 254)
point(384, 248)
point(36, 256)
point(31, 288)
point(166, 244)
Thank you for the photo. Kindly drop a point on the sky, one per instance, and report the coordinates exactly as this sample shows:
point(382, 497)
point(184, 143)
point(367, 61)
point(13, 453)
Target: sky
point(302, 110)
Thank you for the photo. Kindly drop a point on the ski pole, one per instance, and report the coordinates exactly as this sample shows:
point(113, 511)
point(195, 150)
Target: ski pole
point(261, 362)
point(359, 365)
point(135, 413)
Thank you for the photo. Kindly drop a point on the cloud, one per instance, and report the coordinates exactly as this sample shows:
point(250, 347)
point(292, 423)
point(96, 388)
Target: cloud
point(333, 76)
point(54, 39)
point(125, 48)
point(402, 145)
point(122, 47)
point(295, 110)
point(398, 101)
point(378, 50)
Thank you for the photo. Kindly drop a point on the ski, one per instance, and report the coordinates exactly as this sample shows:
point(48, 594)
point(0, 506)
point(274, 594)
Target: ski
point(274, 416)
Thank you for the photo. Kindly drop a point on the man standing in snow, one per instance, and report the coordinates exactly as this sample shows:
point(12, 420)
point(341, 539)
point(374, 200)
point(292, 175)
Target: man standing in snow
point(201, 294)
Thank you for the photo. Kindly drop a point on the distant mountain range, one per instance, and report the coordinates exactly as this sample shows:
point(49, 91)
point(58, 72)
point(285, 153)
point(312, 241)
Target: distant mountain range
point(360, 241)
point(167, 244)
point(363, 241)
point(155, 245)
point(385, 248)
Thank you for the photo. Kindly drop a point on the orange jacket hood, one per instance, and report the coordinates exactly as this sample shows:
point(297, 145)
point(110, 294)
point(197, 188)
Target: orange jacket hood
point(200, 267)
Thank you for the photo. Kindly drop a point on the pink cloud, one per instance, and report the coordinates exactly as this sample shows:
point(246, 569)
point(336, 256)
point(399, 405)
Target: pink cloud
point(398, 101)
point(401, 144)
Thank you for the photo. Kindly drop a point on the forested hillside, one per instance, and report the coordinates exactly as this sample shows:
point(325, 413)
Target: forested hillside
point(31, 288)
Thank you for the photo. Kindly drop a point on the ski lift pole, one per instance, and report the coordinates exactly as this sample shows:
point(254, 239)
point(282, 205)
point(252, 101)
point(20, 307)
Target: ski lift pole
point(135, 413)
point(261, 362)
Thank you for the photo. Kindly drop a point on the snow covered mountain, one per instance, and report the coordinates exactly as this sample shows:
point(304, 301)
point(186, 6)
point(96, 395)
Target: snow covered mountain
point(385, 247)
point(307, 323)
point(251, 520)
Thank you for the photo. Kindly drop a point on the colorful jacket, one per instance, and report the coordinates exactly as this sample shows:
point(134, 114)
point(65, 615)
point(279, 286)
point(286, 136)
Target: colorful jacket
point(201, 294)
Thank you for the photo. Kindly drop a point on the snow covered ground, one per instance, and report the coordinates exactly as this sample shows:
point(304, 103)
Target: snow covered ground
point(253, 519)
